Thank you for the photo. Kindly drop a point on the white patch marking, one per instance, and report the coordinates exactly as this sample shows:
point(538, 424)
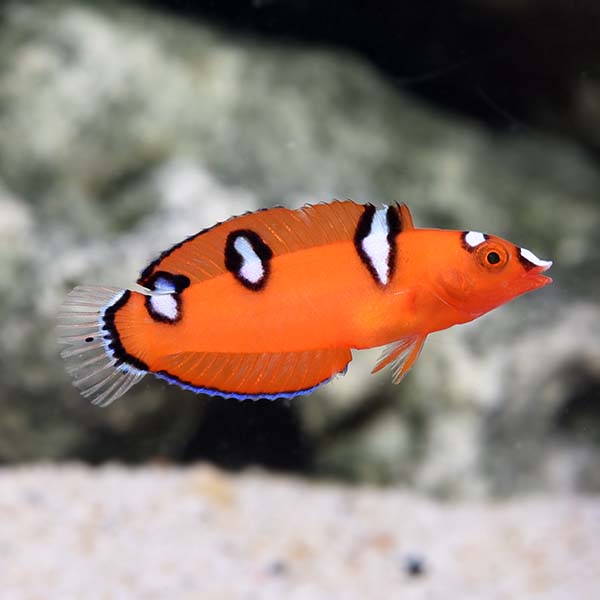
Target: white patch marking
point(532, 258)
point(163, 286)
point(474, 238)
point(376, 245)
point(164, 305)
point(252, 269)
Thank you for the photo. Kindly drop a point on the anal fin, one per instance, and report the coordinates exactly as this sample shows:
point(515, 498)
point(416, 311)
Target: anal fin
point(402, 355)
point(253, 375)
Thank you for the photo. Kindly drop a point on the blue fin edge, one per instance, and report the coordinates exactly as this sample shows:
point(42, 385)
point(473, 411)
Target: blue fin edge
point(223, 394)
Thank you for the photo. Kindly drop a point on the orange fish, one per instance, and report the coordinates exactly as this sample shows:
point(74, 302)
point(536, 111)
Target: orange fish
point(269, 304)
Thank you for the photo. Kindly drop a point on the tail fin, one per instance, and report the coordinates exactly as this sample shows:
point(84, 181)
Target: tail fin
point(95, 371)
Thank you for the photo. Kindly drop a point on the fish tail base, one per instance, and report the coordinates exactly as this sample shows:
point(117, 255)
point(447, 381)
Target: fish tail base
point(97, 370)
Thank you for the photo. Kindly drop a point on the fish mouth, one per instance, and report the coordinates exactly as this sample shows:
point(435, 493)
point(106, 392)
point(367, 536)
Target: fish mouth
point(534, 274)
point(534, 267)
point(542, 268)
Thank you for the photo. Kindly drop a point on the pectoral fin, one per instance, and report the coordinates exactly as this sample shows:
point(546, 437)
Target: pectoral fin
point(402, 355)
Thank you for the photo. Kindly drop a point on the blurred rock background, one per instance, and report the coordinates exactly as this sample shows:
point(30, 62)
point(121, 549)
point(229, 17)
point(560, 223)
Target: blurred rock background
point(125, 127)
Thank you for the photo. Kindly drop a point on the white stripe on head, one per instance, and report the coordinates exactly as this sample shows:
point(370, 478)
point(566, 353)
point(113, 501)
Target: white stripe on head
point(533, 259)
point(252, 269)
point(474, 238)
point(377, 246)
point(165, 306)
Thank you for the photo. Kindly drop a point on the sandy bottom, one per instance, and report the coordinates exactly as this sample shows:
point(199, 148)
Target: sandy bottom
point(162, 532)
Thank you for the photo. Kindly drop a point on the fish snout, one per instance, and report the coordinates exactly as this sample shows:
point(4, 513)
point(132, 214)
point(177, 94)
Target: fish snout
point(534, 268)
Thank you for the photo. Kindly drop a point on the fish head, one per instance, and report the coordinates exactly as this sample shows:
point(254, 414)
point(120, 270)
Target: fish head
point(488, 271)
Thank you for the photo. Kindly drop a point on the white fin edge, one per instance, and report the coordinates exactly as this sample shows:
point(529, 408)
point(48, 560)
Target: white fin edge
point(90, 361)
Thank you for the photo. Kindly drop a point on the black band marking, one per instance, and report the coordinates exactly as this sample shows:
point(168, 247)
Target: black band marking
point(394, 224)
point(112, 336)
point(164, 281)
point(234, 260)
point(363, 229)
point(178, 282)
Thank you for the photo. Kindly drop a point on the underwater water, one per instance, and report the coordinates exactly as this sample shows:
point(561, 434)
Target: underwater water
point(127, 127)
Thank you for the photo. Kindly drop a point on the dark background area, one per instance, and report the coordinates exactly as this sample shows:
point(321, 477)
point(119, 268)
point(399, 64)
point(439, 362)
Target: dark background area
point(510, 64)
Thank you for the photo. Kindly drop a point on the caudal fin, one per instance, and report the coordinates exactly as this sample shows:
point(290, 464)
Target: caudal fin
point(96, 372)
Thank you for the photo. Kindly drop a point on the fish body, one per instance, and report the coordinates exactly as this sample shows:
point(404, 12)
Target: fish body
point(270, 304)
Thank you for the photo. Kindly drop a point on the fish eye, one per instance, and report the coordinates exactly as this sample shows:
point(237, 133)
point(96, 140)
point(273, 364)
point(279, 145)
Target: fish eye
point(492, 256)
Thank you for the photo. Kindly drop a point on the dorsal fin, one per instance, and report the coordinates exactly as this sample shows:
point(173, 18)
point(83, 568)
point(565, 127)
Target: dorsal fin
point(282, 230)
point(405, 217)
